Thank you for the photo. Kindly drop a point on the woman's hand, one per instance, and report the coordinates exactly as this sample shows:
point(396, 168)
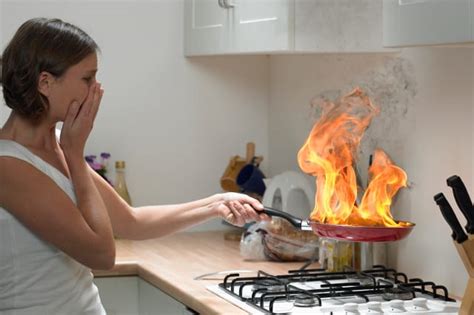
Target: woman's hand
point(238, 209)
point(79, 122)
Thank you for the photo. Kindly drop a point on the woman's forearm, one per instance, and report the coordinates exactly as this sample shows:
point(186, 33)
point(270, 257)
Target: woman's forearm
point(89, 201)
point(157, 221)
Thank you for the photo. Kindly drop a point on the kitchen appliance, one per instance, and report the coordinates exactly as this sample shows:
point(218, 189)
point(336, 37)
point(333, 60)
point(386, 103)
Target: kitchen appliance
point(347, 232)
point(291, 192)
point(378, 290)
point(464, 244)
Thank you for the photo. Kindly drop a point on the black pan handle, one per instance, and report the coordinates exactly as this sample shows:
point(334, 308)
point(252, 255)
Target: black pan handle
point(295, 221)
point(463, 201)
point(448, 214)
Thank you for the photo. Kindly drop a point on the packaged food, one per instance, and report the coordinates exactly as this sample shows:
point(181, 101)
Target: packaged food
point(278, 240)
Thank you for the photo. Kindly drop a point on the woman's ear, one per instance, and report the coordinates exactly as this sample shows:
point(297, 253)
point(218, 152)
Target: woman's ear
point(45, 82)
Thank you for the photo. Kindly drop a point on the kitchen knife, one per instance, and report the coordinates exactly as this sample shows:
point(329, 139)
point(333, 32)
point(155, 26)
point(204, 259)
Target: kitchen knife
point(463, 201)
point(448, 214)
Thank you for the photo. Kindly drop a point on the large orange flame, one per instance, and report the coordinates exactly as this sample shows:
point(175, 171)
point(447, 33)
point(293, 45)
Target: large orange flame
point(328, 154)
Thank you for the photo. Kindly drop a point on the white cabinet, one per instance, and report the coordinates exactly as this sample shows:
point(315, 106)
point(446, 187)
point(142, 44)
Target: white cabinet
point(338, 26)
point(262, 26)
point(281, 26)
point(427, 22)
point(207, 28)
point(132, 295)
point(236, 26)
point(119, 295)
point(154, 301)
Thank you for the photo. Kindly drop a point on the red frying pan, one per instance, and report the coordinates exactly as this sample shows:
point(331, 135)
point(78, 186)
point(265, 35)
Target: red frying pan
point(346, 232)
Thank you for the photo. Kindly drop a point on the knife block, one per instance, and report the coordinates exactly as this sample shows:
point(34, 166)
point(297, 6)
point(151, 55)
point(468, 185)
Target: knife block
point(466, 252)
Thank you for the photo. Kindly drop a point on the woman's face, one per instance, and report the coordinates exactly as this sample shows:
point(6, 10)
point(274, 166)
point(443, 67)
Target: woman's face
point(72, 86)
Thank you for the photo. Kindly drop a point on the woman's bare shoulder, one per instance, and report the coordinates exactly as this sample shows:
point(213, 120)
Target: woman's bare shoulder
point(19, 175)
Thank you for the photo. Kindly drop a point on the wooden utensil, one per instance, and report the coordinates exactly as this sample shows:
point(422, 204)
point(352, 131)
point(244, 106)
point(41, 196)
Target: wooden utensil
point(466, 252)
point(236, 163)
point(228, 179)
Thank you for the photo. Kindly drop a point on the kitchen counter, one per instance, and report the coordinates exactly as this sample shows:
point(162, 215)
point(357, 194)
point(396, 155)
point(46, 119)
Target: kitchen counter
point(171, 263)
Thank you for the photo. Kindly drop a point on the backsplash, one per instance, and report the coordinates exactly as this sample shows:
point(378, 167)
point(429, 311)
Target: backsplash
point(425, 96)
point(392, 88)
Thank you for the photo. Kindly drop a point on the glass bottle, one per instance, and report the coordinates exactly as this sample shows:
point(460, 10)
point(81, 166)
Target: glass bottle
point(120, 184)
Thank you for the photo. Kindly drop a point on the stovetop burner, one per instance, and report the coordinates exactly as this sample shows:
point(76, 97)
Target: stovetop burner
point(305, 300)
point(316, 291)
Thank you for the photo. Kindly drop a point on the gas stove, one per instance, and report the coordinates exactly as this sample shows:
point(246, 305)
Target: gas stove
point(378, 290)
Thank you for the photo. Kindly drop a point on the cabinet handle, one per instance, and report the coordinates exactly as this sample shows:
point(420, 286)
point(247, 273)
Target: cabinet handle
point(228, 4)
point(221, 3)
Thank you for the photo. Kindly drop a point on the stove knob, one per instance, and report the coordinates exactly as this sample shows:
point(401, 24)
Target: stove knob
point(374, 308)
point(397, 306)
point(420, 304)
point(351, 308)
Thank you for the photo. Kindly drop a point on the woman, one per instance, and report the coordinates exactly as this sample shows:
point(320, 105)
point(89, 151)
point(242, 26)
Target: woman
point(58, 217)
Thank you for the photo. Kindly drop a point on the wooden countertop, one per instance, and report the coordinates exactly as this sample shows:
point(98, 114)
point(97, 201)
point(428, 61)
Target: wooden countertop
point(171, 264)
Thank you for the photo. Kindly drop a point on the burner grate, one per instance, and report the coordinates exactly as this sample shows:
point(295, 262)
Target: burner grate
point(266, 290)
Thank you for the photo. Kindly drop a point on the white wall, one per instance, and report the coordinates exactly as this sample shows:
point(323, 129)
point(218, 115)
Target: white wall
point(426, 128)
point(175, 121)
point(438, 149)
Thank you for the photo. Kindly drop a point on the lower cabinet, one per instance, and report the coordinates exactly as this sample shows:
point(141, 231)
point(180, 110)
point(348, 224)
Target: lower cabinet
point(134, 296)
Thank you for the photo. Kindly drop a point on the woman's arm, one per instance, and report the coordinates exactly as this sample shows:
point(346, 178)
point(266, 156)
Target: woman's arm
point(76, 129)
point(156, 221)
point(82, 231)
point(45, 209)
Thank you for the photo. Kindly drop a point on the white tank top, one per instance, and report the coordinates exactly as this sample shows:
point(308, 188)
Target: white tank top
point(35, 277)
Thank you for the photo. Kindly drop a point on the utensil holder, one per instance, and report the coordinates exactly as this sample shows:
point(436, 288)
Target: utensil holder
point(236, 163)
point(466, 252)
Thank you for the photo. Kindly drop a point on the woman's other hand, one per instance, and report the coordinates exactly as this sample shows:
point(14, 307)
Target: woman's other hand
point(79, 122)
point(238, 209)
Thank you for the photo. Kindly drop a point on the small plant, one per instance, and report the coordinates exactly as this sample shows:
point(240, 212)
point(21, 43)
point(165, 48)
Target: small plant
point(101, 167)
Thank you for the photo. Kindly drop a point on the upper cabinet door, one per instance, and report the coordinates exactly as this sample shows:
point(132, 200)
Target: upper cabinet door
point(338, 25)
point(282, 26)
point(263, 25)
point(427, 22)
point(206, 27)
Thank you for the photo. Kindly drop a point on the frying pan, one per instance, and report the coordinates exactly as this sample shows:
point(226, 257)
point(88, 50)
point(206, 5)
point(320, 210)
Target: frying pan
point(351, 233)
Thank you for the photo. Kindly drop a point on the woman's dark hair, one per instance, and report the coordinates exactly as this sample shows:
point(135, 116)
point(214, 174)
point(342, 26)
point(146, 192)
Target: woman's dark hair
point(39, 45)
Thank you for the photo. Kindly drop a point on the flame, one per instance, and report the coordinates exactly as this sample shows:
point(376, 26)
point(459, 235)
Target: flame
point(328, 154)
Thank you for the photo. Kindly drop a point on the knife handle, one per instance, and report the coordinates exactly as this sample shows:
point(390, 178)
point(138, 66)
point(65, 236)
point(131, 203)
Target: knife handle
point(463, 201)
point(448, 214)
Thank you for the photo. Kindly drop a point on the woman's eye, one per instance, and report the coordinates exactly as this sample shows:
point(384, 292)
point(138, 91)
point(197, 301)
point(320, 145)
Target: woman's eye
point(87, 79)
